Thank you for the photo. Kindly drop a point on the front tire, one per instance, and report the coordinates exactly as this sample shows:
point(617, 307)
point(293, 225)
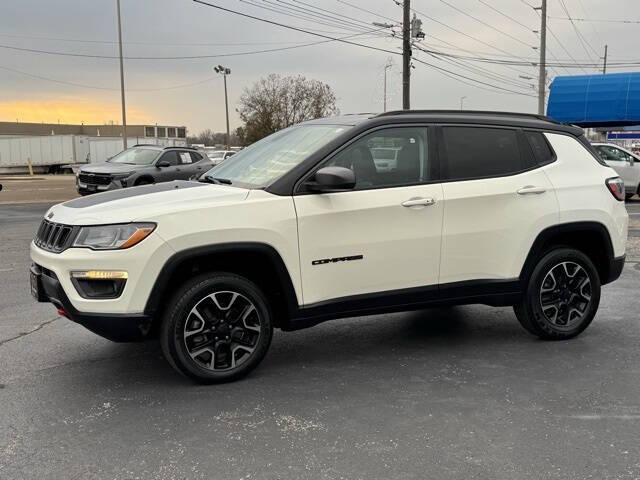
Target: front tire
point(218, 327)
point(561, 297)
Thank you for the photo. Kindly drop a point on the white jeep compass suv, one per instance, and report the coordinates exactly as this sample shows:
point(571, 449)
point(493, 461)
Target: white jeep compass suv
point(479, 207)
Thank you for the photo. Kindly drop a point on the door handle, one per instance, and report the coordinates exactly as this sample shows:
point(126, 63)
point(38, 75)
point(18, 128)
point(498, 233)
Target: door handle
point(531, 189)
point(418, 202)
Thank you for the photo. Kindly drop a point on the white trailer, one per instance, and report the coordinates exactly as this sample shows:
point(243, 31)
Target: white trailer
point(47, 153)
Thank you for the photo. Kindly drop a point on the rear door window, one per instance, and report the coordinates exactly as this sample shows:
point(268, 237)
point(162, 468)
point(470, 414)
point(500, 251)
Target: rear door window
point(196, 157)
point(185, 158)
point(479, 152)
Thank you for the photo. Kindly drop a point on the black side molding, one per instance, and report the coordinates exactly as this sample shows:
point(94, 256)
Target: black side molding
point(176, 260)
point(583, 228)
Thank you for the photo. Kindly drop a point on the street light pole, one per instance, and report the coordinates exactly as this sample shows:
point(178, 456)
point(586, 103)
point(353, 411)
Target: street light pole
point(386, 67)
point(462, 101)
point(124, 114)
point(225, 71)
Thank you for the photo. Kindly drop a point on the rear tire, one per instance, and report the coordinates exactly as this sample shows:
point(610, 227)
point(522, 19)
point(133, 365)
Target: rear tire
point(561, 297)
point(217, 328)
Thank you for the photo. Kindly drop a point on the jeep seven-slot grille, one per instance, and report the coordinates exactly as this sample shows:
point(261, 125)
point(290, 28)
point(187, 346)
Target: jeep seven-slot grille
point(94, 179)
point(53, 237)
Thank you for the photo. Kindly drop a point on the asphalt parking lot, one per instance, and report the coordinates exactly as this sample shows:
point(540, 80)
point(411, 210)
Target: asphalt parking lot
point(453, 393)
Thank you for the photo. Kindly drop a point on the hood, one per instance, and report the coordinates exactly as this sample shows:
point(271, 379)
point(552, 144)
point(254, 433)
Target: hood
point(144, 202)
point(111, 168)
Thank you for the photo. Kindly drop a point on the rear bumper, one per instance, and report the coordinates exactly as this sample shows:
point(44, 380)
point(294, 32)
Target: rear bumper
point(116, 327)
point(615, 269)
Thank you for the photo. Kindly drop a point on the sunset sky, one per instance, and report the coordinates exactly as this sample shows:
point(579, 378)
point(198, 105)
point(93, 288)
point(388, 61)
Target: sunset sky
point(37, 87)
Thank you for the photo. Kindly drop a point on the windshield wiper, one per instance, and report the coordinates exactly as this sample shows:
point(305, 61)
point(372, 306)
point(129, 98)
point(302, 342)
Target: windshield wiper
point(217, 181)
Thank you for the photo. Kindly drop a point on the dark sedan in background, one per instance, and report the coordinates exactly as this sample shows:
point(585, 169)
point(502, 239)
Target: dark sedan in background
point(141, 165)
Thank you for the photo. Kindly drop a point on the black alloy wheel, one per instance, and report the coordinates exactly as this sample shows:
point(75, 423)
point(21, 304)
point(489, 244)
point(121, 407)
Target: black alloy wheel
point(217, 328)
point(562, 295)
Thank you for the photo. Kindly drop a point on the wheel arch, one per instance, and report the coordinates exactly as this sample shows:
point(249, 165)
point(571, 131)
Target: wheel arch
point(258, 262)
point(144, 177)
point(591, 238)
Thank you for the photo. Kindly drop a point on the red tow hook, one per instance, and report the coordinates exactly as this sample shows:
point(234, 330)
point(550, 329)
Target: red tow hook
point(62, 313)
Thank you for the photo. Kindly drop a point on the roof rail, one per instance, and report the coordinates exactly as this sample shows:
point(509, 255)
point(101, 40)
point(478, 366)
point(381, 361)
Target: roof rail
point(178, 146)
point(469, 112)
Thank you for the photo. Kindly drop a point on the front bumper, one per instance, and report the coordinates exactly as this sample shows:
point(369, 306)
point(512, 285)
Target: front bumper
point(115, 327)
point(86, 188)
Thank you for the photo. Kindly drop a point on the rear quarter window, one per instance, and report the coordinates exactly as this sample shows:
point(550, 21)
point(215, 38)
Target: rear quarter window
point(542, 151)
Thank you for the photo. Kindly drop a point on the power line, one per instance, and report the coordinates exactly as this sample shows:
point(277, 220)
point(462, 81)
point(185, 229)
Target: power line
point(528, 28)
point(470, 36)
point(299, 15)
point(593, 27)
point(472, 79)
point(96, 87)
point(330, 12)
point(593, 20)
point(563, 47)
point(175, 44)
point(194, 57)
point(535, 9)
point(485, 23)
point(500, 61)
point(478, 70)
point(377, 15)
point(165, 44)
point(583, 41)
point(342, 40)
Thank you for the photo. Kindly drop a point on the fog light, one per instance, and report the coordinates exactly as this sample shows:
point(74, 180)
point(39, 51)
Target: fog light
point(101, 275)
point(99, 284)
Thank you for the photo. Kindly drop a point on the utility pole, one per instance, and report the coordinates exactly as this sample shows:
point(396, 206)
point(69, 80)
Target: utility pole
point(386, 67)
point(124, 114)
point(406, 54)
point(225, 71)
point(604, 67)
point(542, 81)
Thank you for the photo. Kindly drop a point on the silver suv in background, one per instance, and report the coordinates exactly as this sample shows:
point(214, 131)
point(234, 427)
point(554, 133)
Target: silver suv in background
point(142, 165)
point(624, 162)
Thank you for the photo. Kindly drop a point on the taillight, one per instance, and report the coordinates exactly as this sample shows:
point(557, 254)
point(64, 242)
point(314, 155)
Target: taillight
point(616, 187)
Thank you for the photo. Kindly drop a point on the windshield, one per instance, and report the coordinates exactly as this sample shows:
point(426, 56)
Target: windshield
point(215, 154)
point(265, 161)
point(135, 156)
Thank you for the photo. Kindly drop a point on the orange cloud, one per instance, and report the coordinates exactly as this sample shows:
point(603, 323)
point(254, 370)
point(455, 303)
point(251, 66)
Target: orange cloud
point(75, 110)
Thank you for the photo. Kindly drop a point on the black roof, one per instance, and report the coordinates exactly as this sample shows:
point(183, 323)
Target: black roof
point(515, 119)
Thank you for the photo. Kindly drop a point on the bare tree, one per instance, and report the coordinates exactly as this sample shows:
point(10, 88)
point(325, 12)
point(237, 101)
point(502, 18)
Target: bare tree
point(276, 102)
point(210, 138)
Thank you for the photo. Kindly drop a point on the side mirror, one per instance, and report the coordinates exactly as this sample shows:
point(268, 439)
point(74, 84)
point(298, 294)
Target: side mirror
point(163, 164)
point(631, 160)
point(332, 179)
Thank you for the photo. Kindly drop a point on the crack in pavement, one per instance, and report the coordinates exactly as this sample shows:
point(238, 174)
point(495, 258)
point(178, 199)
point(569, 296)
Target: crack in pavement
point(24, 334)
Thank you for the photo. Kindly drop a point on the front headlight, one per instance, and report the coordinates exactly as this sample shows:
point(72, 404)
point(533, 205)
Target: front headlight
point(120, 176)
point(113, 237)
